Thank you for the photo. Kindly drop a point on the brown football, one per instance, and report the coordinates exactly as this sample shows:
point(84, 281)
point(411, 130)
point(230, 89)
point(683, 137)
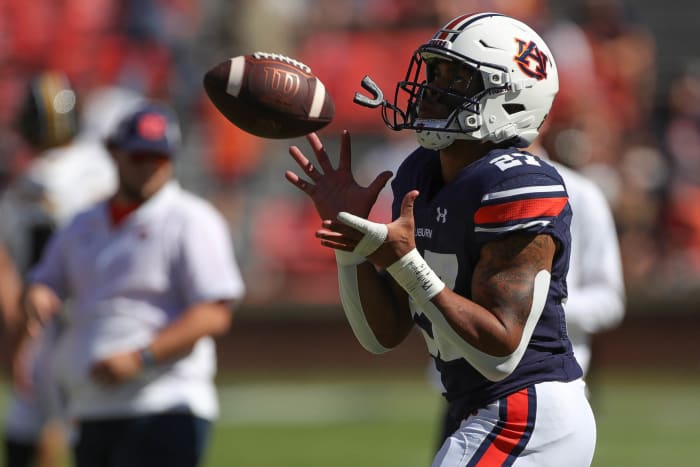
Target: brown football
point(269, 95)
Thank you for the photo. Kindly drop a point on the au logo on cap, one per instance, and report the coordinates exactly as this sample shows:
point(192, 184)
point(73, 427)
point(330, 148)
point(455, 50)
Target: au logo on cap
point(152, 126)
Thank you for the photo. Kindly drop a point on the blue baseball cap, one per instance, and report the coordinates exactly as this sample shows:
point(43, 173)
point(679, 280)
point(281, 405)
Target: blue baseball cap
point(150, 128)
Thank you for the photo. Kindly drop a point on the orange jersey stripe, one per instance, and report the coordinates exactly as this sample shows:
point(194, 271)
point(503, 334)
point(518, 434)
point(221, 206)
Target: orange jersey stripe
point(518, 210)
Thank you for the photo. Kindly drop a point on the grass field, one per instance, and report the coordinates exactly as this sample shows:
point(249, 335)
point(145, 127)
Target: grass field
point(644, 420)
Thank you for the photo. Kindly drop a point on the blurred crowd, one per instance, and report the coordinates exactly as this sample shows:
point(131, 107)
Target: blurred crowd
point(614, 120)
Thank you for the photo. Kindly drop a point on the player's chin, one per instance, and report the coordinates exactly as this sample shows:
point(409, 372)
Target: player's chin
point(437, 114)
point(431, 109)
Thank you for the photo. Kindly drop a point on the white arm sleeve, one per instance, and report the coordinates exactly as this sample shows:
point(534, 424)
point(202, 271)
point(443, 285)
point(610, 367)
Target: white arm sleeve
point(352, 305)
point(494, 368)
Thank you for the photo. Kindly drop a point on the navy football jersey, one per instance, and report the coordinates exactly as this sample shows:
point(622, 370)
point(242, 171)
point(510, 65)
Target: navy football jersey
point(504, 193)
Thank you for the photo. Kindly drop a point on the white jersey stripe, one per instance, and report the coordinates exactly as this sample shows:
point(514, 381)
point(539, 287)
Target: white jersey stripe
point(523, 191)
point(510, 228)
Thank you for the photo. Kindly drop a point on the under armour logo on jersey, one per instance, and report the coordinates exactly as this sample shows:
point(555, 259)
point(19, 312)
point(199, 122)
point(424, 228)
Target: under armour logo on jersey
point(528, 52)
point(441, 215)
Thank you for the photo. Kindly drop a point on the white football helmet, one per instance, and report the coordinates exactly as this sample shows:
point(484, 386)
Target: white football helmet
point(519, 83)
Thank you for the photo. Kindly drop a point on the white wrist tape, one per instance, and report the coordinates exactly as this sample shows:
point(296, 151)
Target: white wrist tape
point(352, 306)
point(374, 233)
point(415, 276)
point(492, 367)
point(348, 258)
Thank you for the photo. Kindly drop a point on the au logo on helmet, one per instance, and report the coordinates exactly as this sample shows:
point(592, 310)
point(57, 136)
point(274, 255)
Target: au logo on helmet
point(531, 60)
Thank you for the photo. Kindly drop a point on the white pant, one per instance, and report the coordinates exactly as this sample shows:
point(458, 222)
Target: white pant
point(548, 425)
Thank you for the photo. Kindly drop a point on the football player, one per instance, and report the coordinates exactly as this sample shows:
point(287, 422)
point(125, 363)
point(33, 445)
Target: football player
point(67, 173)
point(478, 251)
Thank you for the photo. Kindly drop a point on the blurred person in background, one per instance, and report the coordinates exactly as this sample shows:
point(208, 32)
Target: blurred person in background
point(595, 283)
point(624, 54)
point(68, 173)
point(681, 218)
point(596, 289)
point(152, 275)
point(478, 258)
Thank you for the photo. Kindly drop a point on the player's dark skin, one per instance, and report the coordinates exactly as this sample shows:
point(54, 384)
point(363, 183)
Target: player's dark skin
point(503, 279)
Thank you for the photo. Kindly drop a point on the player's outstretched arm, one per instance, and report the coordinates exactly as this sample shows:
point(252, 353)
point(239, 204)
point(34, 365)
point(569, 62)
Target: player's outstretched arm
point(377, 314)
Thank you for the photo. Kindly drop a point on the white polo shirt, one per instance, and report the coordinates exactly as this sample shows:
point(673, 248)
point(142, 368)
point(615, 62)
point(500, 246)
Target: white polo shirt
point(596, 300)
point(128, 282)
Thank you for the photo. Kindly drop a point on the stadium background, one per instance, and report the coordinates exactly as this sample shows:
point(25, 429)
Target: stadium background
point(290, 345)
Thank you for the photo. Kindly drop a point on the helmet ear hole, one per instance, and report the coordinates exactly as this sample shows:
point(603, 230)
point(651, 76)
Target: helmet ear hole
point(513, 108)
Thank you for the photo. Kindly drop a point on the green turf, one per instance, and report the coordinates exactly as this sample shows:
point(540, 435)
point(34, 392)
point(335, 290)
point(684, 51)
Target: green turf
point(340, 445)
point(338, 423)
point(647, 420)
point(644, 420)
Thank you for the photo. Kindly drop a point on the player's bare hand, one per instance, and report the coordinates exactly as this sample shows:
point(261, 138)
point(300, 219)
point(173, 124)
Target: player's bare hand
point(334, 189)
point(117, 369)
point(39, 303)
point(400, 238)
point(382, 244)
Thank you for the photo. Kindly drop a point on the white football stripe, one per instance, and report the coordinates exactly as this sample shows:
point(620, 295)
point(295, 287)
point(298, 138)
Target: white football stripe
point(317, 102)
point(522, 191)
point(235, 76)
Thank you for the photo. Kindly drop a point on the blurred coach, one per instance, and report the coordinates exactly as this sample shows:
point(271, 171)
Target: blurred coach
point(152, 276)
